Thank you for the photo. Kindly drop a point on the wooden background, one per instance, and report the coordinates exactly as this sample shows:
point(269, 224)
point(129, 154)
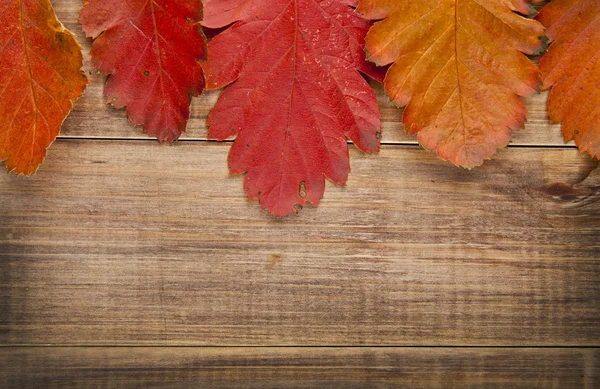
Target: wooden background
point(125, 262)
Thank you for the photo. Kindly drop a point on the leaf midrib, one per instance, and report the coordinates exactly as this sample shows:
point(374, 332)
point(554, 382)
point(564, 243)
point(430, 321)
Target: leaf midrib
point(456, 56)
point(33, 96)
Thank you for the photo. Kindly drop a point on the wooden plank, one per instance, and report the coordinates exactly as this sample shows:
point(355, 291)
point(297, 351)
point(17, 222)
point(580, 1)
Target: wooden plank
point(92, 118)
point(136, 242)
point(277, 368)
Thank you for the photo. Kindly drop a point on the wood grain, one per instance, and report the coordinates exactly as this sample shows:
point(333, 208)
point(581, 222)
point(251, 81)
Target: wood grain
point(92, 118)
point(133, 242)
point(122, 242)
point(277, 368)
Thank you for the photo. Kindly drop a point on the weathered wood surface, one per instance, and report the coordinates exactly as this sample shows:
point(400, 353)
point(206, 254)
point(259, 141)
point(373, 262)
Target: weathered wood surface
point(135, 242)
point(91, 109)
point(310, 368)
point(123, 242)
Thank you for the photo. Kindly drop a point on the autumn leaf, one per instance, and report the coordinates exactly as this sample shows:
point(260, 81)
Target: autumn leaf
point(40, 77)
point(151, 49)
point(458, 67)
point(295, 95)
point(571, 67)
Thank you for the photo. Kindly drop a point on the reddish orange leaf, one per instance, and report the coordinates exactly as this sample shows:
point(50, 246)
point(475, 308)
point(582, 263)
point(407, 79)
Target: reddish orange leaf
point(296, 95)
point(571, 67)
point(40, 77)
point(150, 49)
point(458, 69)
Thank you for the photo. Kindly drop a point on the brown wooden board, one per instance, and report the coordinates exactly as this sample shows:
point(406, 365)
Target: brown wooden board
point(136, 242)
point(119, 242)
point(309, 368)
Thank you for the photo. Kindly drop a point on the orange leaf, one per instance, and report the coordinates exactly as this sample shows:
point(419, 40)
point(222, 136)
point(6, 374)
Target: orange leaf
point(571, 67)
point(458, 67)
point(40, 77)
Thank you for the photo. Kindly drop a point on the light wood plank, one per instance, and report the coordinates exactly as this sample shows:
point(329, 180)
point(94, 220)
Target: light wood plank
point(136, 242)
point(92, 118)
point(279, 368)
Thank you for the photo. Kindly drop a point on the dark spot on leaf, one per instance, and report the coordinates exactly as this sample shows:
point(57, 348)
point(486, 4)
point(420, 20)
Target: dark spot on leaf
point(544, 40)
point(302, 189)
point(259, 192)
point(576, 132)
point(378, 135)
point(146, 73)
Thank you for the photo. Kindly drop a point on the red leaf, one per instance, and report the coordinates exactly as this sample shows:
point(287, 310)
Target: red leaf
point(151, 50)
point(40, 77)
point(296, 94)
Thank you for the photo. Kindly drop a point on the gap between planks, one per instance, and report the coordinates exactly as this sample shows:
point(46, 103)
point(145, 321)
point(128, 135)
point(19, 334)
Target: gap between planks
point(300, 346)
point(230, 141)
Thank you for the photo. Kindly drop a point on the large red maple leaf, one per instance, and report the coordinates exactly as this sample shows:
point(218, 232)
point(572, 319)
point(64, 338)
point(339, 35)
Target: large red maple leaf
point(296, 94)
point(150, 49)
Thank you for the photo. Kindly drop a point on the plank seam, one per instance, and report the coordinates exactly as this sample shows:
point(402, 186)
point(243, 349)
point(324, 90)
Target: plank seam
point(229, 141)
